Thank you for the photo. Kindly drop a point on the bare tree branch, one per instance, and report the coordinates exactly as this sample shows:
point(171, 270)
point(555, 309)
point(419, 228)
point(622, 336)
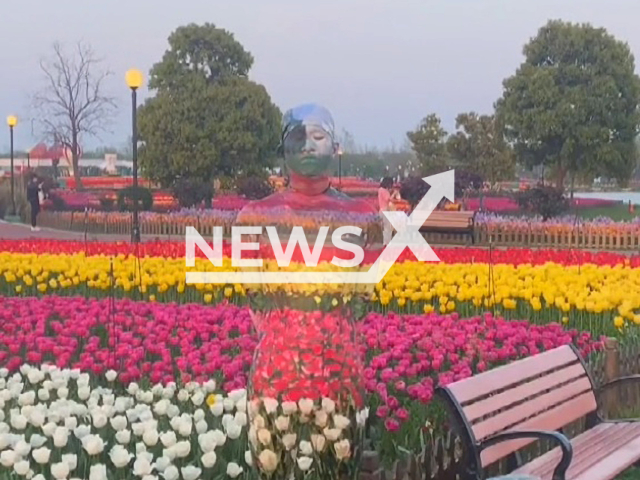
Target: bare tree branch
point(72, 104)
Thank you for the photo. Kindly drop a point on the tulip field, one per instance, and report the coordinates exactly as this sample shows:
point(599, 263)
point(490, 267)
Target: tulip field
point(111, 367)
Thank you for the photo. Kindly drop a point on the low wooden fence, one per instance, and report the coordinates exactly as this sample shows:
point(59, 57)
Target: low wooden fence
point(443, 458)
point(484, 235)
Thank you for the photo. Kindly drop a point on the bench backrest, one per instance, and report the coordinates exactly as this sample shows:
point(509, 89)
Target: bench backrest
point(461, 218)
point(544, 392)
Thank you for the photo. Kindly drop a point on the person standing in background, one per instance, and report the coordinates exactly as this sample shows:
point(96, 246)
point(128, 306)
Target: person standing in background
point(384, 204)
point(33, 197)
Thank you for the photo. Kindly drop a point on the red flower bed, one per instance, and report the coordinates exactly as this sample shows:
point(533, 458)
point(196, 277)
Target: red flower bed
point(512, 256)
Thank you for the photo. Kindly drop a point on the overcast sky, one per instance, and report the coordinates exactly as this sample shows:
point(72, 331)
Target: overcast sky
point(378, 65)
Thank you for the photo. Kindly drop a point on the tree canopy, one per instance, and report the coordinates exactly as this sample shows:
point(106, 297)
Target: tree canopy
point(479, 146)
point(207, 118)
point(428, 143)
point(573, 103)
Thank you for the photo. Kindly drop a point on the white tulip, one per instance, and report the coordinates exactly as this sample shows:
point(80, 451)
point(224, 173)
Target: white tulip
point(228, 405)
point(233, 430)
point(39, 476)
point(268, 461)
point(201, 426)
point(289, 440)
point(209, 459)
point(7, 458)
point(321, 418)
point(150, 477)
point(240, 418)
point(141, 448)
point(19, 422)
point(341, 422)
point(93, 444)
point(328, 405)
point(43, 394)
point(170, 453)
point(41, 455)
point(120, 456)
point(22, 467)
point(142, 466)
point(84, 392)
point(182, 448)
point(60, 437)
point(237, 394)
point(37, 417)
point(138, 429)
point(185, 428)
point(318, 442)
point(5, 441)
point(168, 439)
point(99, 419)
point(332, 434)
point(173, 411)
point(282, 423)
point(219, 437)
point(70, 423)
point(248, 457)
point(162, 463)
point(305, 448)
point(305, 405)
point(161, 406)
point(304, 463)
point(81, 431)
point(343, 449)
point(150, 437)
point(233, 469)
point(27, 398)
point(217, 409)
point(171, 473)
point(207, 442)
point(183, 395)
point(123, 436)
point(70, 459)
point(111, 375)
point(226, 418)
point(22, 448)
point(3, 372)
point(63, 392)
point(118, 423)
point(197, 398)
point(36, 441)
point(190, 472)
point(241, 405)
point(98, 472)
point(133, 388)
point(209, 386)
point(60, 471)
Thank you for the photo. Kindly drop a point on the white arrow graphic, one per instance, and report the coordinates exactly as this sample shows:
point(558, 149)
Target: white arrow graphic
point(408, 236)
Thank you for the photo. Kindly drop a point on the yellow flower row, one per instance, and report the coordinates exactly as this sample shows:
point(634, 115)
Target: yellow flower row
point(587, 289)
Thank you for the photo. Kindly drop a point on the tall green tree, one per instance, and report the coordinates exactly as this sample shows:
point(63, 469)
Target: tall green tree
point(572, 105)
point(479, 146)
point(207, 118)
point(428, 143)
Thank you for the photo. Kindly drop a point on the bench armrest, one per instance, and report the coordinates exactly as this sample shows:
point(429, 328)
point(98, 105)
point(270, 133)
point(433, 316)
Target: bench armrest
point(613, 383)
point(563, 442)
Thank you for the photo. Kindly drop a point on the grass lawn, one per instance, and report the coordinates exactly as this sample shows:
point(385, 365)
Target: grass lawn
point(616, 212)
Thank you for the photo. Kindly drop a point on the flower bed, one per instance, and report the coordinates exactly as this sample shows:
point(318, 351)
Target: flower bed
point(601, 298)
point(82, 411)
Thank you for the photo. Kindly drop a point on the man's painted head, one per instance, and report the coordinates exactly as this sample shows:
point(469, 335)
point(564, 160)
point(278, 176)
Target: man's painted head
point(308, 140)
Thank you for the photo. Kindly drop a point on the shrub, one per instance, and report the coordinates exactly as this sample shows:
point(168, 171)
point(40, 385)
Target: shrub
point(413, 189)
point(254, 188)
point(192, 191)
point(127, 195)
point(465, 180)
point(546, 201)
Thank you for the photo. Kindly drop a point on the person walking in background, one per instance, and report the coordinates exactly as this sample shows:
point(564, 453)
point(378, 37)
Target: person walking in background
point(384, 204)
point(33, 197)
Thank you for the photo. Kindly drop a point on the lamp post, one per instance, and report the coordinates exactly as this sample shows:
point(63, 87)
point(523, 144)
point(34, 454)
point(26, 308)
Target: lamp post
point(134, 81)
point(12, 121)
point(339, 167)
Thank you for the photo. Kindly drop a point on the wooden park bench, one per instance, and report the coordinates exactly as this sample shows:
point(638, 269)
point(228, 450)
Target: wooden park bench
point(456, 222)
point(498, 412)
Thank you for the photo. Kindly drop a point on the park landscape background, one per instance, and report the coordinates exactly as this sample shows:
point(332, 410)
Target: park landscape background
point(111, 362)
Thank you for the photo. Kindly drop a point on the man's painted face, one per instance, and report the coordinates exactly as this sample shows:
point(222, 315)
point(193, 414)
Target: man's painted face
point(309, 150)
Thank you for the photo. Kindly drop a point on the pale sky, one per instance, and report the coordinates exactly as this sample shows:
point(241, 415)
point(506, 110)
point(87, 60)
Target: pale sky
point(378, 65)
